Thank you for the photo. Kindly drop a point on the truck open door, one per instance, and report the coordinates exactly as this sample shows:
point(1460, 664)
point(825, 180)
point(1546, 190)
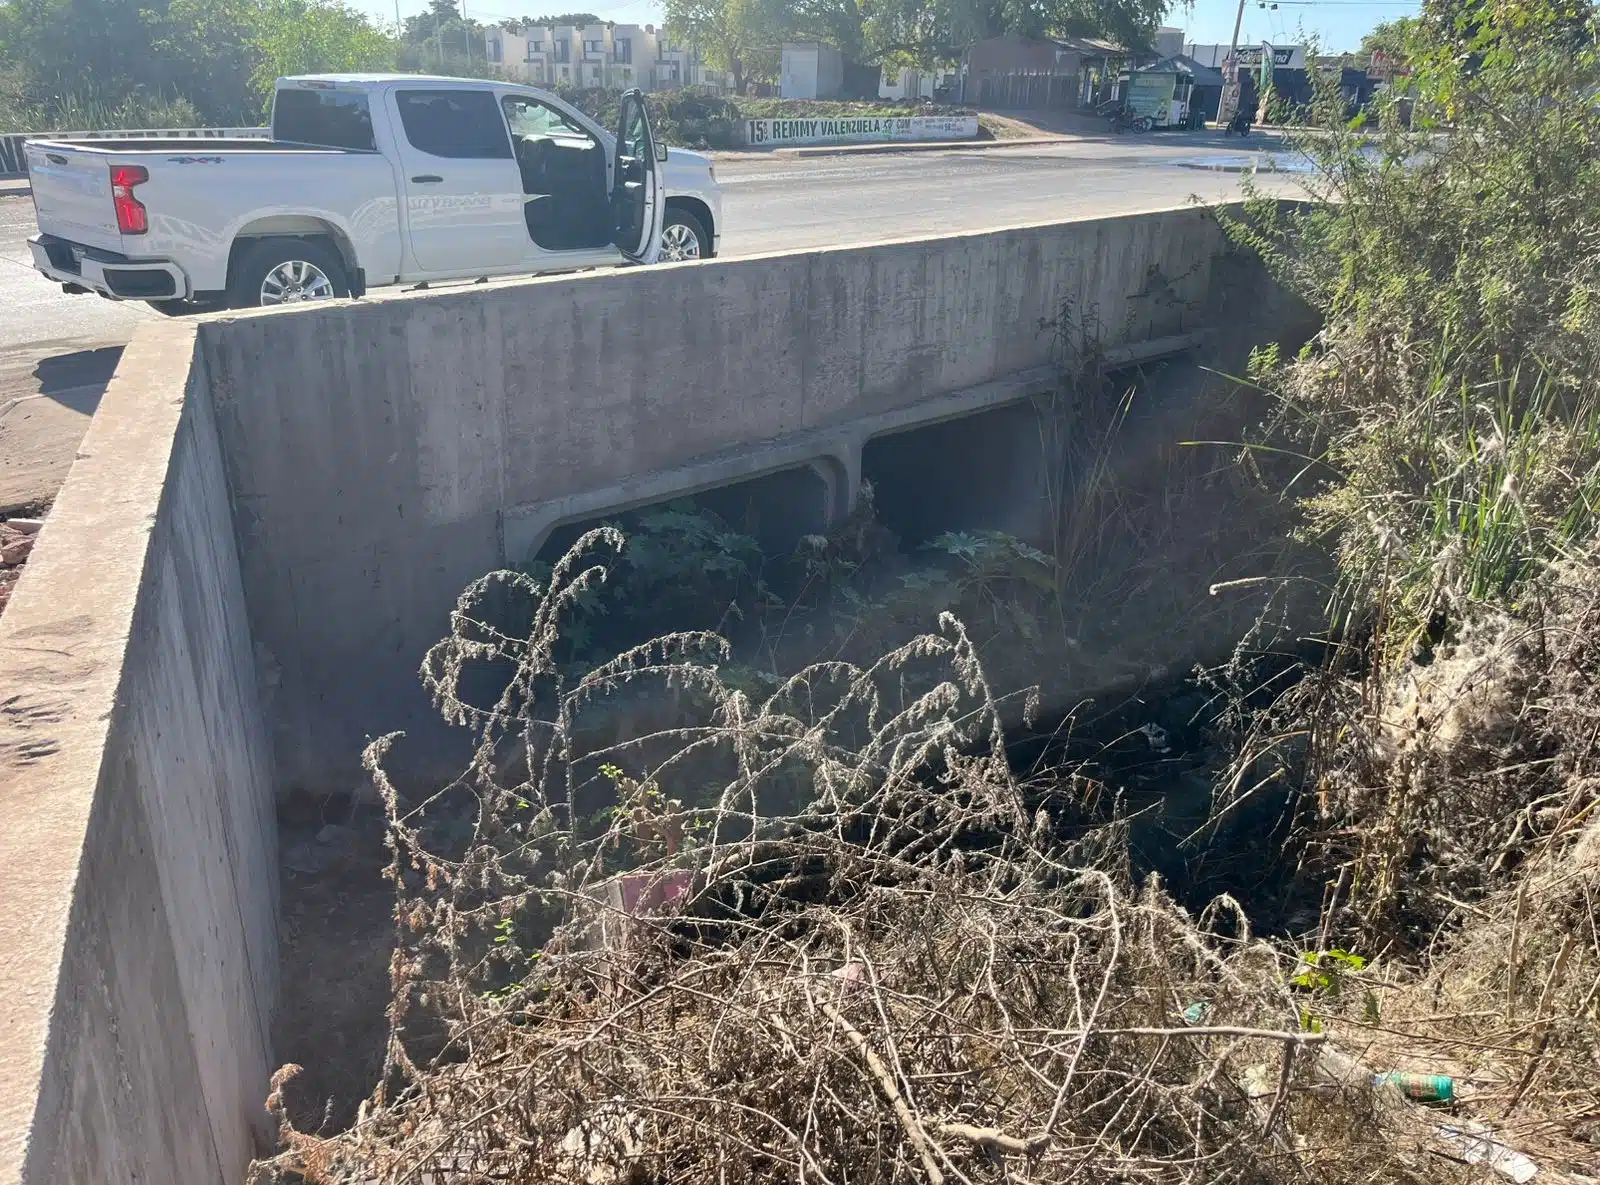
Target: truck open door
point(637, 205)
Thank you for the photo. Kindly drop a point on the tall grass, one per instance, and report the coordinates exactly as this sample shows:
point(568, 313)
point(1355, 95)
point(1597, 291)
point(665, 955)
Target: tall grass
point(1446, 423)
point(84, 111)
point(1446, 487)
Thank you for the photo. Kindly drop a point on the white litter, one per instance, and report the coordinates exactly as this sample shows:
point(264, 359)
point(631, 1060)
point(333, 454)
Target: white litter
point(1479, 1146)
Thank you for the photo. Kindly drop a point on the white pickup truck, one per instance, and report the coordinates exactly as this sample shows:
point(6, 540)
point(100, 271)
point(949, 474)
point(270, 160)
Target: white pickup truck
point(368, 180)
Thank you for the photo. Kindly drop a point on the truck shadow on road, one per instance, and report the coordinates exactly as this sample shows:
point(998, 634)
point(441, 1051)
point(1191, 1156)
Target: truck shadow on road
point(77, 380)
point(45, 408)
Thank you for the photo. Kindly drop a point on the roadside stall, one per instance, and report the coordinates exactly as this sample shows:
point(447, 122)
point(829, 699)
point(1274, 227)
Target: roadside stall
point(1172, 93)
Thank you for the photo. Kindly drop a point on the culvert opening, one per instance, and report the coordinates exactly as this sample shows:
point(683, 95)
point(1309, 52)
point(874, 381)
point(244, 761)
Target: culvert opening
point(980, 472)
point(775, 510)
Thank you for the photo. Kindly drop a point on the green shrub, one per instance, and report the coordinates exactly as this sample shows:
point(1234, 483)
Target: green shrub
point(696, 117)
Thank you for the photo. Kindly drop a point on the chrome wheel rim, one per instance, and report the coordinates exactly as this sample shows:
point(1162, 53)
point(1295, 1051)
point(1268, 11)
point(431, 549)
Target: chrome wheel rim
point(679, 242)
point(295, 280)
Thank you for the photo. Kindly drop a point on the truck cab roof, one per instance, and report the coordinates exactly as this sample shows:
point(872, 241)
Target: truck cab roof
point(359, 81)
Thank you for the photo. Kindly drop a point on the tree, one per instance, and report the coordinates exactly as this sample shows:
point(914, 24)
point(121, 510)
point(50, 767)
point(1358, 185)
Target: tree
point(841, 23)
point(577, 20)
point(915, 32)
point(439, 39)
point(314, 37)
point(1390, 39)
point(208, 51)
point(101, 62)
point(925, 32)
point(739, 36)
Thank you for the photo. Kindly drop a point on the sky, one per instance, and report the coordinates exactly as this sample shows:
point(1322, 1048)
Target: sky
point(1339, 24)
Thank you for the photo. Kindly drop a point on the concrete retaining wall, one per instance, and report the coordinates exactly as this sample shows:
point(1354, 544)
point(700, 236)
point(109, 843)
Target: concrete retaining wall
point(137, 838)
point(269, 523)
point(381, 453)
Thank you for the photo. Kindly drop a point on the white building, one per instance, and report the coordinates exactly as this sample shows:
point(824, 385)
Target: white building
point(898, 85)
point(811, 70)
point(606, 56)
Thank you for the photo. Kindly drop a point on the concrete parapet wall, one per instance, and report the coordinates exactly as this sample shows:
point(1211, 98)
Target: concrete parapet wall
point(137, 839)
point(383, 453)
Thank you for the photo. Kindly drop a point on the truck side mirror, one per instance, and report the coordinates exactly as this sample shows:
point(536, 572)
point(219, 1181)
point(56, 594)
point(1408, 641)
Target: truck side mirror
point(661, 152)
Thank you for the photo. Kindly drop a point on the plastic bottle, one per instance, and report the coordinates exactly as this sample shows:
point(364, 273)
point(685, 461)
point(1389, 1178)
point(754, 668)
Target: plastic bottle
point(1420, 1088)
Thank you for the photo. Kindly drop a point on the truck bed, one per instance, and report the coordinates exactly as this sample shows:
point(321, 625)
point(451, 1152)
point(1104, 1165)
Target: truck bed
point(198, 196)
point(189, 145)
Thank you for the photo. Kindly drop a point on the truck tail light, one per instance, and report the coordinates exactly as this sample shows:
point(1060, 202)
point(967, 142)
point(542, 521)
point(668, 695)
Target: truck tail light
point(132, 218)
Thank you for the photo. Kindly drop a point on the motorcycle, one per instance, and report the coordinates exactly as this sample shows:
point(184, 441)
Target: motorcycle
point(1123, 120)
point(1239, 124)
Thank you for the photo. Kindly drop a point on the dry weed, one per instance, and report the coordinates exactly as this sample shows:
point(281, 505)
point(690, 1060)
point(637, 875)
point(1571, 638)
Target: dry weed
point(862, 955)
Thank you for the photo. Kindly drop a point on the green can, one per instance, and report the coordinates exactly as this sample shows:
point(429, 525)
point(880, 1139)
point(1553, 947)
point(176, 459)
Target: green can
point(1421, 1088)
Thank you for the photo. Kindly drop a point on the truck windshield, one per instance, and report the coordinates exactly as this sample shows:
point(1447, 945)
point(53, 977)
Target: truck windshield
point(325, 118)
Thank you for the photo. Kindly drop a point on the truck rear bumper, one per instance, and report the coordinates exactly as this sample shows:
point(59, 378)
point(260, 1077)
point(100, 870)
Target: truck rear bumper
point(111, 275)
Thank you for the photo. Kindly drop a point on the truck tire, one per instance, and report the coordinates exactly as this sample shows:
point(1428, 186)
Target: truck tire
point(683, 237)
point(286, 271)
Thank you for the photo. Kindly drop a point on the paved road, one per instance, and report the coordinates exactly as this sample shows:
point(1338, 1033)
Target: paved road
point(772, 203)
point(56, 351)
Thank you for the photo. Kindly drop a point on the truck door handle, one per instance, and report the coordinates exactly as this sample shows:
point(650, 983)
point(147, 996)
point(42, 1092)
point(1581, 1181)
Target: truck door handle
point(427, 179)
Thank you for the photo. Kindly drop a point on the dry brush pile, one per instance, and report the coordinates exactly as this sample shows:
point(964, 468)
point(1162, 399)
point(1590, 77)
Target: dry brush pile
point(823, 937)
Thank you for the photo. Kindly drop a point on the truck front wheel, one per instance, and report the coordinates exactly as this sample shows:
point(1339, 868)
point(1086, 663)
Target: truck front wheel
point(683, 237)
point(286, 271)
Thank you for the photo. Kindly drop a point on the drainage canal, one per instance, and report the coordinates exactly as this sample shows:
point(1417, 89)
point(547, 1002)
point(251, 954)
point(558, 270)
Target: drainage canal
point(1098, 595)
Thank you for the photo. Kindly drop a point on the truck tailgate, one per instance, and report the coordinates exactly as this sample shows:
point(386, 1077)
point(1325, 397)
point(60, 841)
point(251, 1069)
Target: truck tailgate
point(72, 194)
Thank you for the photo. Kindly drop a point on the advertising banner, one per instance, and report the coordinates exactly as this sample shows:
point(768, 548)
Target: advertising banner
point(1150, 95)
point(856, 129)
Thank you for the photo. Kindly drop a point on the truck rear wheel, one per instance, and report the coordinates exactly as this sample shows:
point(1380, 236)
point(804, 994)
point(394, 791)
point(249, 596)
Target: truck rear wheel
point(286, 271)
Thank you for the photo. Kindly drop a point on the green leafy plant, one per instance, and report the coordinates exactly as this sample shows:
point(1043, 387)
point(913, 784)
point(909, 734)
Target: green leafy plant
point(1324, 975)
point(1323, 972)
point(682, 566)
point(993, 576)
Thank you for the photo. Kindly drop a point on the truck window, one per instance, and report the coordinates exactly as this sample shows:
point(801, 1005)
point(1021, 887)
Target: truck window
point(325, 118)
point(529, 117)
point(463, 125)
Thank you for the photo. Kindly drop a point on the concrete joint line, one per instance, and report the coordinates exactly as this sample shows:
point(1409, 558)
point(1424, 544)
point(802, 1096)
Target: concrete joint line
point(525, 527)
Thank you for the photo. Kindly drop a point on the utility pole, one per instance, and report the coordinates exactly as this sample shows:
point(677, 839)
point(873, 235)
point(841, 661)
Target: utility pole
point(466, 39)
point(1238, 21)
point(1228, 105)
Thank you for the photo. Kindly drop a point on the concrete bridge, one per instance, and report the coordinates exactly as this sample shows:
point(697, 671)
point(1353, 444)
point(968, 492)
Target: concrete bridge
point(271, 518)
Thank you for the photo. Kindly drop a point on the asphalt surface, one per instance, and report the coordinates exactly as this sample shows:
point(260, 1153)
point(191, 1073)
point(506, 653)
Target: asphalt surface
point(57, 351)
